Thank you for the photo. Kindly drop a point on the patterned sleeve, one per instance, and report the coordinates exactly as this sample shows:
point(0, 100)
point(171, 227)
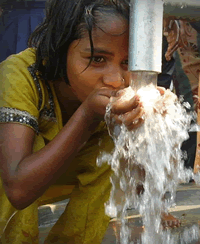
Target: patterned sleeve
point(19, 97)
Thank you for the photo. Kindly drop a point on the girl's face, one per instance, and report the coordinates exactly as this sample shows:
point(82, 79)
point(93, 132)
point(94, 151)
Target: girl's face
point(109, 67)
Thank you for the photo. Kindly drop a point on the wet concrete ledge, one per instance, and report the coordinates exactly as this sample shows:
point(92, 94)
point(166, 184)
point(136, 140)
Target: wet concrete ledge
point(187, 209)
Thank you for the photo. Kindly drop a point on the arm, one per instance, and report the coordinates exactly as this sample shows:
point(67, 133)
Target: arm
point(27, 175)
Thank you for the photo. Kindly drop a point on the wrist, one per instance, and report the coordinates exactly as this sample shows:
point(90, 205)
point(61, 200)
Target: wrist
point(88, 117)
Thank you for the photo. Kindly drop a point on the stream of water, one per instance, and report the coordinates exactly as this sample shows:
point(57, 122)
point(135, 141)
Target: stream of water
point(147, 162)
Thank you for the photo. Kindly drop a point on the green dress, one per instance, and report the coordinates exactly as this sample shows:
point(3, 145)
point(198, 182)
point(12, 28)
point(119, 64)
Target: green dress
point(27, 100)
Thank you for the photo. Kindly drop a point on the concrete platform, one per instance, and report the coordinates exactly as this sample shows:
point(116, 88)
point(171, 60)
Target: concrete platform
point(187, 209)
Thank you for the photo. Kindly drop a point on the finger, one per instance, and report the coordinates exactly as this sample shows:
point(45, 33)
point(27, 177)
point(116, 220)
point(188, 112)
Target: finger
point(135, 114)
point(136, 124)
point(161, 90)
point(120, 106)
point(102, 102)
point(118, 93)
point(104, 91)
point(118, 119)
point(113, 99)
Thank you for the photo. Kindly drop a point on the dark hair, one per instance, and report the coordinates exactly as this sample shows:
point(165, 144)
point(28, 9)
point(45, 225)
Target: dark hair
point(66, 21)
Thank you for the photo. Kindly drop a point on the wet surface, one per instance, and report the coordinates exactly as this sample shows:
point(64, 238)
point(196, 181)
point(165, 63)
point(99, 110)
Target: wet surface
point(187, 209)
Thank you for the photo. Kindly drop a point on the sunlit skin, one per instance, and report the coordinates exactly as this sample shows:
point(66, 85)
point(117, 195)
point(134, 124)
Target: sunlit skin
point(108, 68)
point(83, 105)
point(106, 77)
point(107, 73)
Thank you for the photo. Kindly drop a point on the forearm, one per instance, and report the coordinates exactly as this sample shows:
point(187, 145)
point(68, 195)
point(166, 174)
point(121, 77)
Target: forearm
point(36, 172)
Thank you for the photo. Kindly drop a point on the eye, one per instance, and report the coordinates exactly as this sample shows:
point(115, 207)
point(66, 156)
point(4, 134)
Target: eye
point(125, 62)
point(98, 60)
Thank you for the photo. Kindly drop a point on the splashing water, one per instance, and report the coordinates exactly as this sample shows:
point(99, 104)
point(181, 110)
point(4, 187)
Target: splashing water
point(147, 162)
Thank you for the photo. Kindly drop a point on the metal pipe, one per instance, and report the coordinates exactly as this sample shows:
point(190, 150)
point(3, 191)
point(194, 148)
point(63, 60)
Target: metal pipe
point(145, 41)
point(146, 18)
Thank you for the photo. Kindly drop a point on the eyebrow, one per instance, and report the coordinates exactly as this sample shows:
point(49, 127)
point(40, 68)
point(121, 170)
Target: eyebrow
point(100, 51)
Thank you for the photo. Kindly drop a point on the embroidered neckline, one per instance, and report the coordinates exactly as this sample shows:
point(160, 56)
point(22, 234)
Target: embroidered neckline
point(31, 69)
point(46, 113)
point(8, 114)
point(49, 113)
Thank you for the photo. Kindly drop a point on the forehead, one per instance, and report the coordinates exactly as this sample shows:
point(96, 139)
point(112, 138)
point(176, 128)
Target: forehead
point(111, 34)
point(112, 24)
point(110, 31)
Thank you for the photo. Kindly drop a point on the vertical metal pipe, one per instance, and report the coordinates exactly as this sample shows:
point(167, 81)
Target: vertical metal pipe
point(145, 41)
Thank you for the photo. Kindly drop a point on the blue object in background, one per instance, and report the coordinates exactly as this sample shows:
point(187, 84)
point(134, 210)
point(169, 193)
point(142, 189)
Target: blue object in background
point(196, 25)
point(17, 24)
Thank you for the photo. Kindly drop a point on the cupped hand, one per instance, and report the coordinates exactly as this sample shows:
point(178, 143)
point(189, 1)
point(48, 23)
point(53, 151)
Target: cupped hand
point(95, 104)
point(161, 90)
point(130, 112)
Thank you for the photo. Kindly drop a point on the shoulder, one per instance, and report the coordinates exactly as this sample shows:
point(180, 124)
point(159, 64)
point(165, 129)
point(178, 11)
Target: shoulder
point(22, 59)
point(23, 92)
point(16, 68)
point(18, 63)
point(19, 95)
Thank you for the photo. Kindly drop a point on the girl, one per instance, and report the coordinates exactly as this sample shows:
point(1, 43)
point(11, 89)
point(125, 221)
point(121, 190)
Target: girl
point(53, 98)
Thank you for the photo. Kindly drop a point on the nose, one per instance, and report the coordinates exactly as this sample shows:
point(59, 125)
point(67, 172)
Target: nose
point(114, 78)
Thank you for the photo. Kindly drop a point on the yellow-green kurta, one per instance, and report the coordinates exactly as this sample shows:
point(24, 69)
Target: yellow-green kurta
point(27, 100)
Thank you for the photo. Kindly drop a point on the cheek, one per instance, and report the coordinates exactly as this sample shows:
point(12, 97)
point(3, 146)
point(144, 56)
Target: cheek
point(80, 85)
point(82, 82)
point(72, 71)
point(127, 78)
